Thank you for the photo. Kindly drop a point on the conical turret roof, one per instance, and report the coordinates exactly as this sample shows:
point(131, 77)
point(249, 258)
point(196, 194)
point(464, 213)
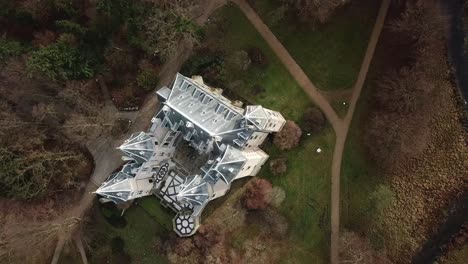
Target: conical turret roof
point(139, 147)
point(119, 187)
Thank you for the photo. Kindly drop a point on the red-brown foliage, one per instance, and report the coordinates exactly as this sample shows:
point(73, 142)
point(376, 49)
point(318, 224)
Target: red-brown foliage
point(208, 236)
point(258, 195)
point(289, 137)
point(44, 38)
point(183, 246)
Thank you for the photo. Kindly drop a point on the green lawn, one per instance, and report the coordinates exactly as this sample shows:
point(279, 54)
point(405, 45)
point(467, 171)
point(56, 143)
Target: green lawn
point(329, 54)
point(307, 187)
point(307, 182)
point(358, 177)
point(146, 221)
point(340, 108)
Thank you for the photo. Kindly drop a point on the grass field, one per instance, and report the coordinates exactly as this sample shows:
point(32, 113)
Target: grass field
point(329, 54)
point(358, 178)
point(307, 187)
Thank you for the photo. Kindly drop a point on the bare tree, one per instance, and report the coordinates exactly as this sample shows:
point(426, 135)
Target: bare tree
point(83, 128)
point(257, 196)
point(22, 239)
point(169, 25)
point(355, 249)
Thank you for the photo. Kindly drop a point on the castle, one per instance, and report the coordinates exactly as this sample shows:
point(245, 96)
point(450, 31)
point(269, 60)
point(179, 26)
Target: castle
point(198, 144)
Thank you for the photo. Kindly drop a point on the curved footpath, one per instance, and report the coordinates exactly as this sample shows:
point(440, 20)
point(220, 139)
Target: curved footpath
point(340, 126)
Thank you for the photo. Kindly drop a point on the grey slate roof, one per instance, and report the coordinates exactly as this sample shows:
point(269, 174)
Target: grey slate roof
point(195, 191)
point(225, 167)
point(205, 109)
point(116, 188)
point(139, 147)
point(257, 116)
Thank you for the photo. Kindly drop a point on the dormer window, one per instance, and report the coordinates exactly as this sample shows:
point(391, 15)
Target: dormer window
point(196, 93)
point(206, 100)
point(200, 98)
point(229, 115)
point(220, 109)
point(184, 86)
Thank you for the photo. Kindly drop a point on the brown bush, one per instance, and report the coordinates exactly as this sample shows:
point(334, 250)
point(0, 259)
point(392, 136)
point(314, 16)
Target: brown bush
point(313, 120)
point(44, 38)
point(238, 60)
point(289, 137)
point(208, 236)
point(258, 195)
point(357, 249)
point(258, 89)
point(183, 246)
point(119, 60)
point(279, 166)
point(277, 223)
point(257, 57)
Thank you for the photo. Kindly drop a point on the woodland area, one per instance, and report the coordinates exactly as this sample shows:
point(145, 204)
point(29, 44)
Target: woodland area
point(52, 55)
point(413, 135)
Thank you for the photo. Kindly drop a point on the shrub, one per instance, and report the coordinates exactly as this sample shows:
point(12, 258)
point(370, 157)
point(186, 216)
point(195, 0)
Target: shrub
point(118, 8)
point(257, 57)
point(118, 60)
point(258, 89)
point(313, 120)
point(59, 61)
point(71, 27)
point(239, 60)
point(258, 195)
point(208, 236)
point(183, 247)
point(209, 64)
point(147, 80)
point(9, 48)
point(279, 166)
point(44, 38)
point(289, 137)
point(357, 249)
point(277, 196)
point(276, 222)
